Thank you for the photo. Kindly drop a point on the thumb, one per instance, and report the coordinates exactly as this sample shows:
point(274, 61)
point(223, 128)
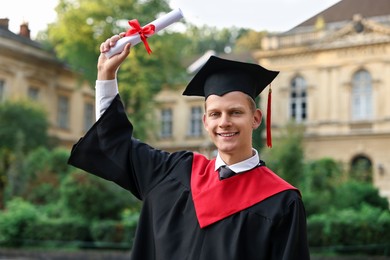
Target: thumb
point(126, 50)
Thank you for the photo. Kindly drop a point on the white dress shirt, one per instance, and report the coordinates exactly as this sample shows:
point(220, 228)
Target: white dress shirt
point(243, 166)
point(105, 91)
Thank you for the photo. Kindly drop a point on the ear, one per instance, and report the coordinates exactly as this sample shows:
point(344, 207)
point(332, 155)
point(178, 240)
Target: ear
point(257, 116)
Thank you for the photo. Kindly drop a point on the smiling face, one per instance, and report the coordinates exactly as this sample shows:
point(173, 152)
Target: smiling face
point(230, 121)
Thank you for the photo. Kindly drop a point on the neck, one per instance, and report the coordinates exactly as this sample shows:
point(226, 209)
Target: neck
point(230, 159)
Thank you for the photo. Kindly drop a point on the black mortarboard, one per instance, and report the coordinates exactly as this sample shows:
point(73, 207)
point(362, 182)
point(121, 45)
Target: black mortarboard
point(220, 76)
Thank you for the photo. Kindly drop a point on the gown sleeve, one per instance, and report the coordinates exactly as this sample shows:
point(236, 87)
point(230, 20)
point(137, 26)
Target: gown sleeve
point(289, 240)
point(109, 151)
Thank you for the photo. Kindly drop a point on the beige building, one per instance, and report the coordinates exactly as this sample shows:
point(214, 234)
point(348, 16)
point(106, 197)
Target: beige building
point(334, 80)
point(27, 71)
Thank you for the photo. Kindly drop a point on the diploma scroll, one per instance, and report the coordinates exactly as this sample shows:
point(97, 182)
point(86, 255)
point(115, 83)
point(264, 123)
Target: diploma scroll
point(159, 24)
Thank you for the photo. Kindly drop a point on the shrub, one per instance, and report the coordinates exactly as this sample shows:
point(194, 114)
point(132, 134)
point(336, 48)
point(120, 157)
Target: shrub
point(93, 198)
point(354, 193)
point(116, 233)
point(350, 227)
point(58, 230)
point(14, 221)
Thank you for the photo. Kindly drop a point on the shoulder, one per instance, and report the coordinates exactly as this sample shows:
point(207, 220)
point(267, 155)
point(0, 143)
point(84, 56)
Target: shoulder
point(278, 205)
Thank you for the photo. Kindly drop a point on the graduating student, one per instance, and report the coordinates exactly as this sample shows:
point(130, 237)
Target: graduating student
point(190, 210)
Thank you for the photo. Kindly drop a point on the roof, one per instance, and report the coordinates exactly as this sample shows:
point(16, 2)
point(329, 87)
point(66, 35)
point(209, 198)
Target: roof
point(5, 33)
point(346, 9)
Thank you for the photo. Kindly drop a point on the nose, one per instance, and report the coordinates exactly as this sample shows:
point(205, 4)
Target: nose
point(224, 121)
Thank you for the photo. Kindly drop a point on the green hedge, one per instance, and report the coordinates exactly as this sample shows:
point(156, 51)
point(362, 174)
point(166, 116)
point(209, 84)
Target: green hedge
point(112, 234)
point(65, 230)
point(350, 227)
point(22, 223)
point(14, 220)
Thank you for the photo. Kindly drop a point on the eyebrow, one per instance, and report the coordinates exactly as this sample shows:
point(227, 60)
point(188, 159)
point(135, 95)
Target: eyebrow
point(235, 107)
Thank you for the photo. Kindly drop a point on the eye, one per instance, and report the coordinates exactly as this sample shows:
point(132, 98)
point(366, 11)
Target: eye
point(213, 114)
point(236, 112)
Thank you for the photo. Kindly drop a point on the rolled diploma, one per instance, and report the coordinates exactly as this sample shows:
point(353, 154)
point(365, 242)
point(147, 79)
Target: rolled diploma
point(160, 23)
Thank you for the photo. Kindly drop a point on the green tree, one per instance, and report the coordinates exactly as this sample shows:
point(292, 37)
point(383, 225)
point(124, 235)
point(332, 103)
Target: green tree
point(286, 157)
point(23, 127)
point(204, 38)
point(323, 174)
point(83, 24)
point(354, 193)
point(43, 172)
point(91, 197)
point(248, 40)
point(22, 119)
point(142, 77)
point(319, 182)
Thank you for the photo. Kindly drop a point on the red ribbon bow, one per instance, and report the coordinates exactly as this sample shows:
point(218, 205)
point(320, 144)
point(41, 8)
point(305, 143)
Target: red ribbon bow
point(142, 31)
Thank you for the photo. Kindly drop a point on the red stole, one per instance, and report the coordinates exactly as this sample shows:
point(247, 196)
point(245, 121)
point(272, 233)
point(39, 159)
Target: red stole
point(215, 200)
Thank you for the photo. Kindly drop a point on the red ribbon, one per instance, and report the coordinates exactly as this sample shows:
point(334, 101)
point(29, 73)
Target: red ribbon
point(142, 31)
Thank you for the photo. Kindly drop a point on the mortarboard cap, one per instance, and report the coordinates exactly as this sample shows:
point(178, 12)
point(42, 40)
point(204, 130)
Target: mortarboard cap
point(220, 76)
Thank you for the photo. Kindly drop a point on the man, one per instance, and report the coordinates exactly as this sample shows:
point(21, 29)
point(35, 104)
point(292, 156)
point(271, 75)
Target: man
point(190, 210)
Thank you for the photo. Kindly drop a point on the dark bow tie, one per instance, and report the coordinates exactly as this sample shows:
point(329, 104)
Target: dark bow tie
point(225, 172)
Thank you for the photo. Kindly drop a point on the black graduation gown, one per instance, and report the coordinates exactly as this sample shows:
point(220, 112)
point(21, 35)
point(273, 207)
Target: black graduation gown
point(168, 228)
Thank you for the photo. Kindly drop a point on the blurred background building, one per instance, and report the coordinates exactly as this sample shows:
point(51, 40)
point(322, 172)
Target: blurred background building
point(28, 71)
point(334, 80)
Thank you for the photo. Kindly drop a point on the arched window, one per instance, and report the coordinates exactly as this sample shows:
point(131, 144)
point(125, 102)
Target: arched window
point(361, 168)
point(298, 107)
point(362, 95)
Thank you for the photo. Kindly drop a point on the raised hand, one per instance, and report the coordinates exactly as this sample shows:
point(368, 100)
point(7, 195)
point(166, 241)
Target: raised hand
point(108, 67)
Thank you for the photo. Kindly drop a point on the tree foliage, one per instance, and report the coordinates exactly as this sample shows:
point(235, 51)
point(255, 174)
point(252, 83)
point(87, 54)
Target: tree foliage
point(249, 40)
point(286, 157)
point(23, 127)
point(91, 197)
point(22, 121)
point(43, 172)
point(82, 25)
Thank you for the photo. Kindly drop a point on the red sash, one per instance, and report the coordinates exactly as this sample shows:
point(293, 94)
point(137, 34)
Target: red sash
point(215, 200)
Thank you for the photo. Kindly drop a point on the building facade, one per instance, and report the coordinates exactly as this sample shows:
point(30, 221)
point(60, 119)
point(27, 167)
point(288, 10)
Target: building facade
point(180, 125)
point(335, 80)
point(27, 71)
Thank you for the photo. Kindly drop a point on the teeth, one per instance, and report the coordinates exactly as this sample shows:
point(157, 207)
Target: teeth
point(227, 135)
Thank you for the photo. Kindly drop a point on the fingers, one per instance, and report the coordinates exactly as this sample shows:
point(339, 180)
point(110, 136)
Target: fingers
point(107, 67)
point(110, 42)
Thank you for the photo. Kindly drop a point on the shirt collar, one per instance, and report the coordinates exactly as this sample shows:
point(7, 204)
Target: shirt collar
point(240, 166)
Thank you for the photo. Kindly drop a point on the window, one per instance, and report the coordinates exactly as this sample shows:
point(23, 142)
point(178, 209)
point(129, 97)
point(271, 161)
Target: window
point(361, 96)
point(63, 112)
point(166, 122)
point(89, 116)
point(196, 125)
point(33, 93)
point(298, 108)
point(361, 168)
point(2, 89)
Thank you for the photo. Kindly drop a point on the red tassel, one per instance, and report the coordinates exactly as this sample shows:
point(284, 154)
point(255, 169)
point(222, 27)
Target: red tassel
point(268, 126)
